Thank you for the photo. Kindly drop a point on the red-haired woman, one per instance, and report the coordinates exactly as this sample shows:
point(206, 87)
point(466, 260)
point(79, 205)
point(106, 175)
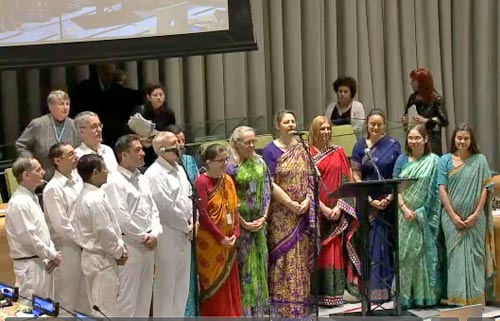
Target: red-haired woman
point(429, 105)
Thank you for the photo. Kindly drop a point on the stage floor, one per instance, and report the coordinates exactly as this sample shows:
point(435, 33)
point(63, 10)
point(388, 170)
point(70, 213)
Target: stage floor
point(426, 314)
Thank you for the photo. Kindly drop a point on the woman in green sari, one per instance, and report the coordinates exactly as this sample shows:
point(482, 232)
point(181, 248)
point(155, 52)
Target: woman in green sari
point(462, 177)
point(253, 186)
point(419, 219)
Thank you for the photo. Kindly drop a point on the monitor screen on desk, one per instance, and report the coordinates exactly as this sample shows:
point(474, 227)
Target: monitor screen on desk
point(44, 306)
point(10, 292)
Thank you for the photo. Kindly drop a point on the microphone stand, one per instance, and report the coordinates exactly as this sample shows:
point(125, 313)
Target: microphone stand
point(194, 199)
point(315, 175)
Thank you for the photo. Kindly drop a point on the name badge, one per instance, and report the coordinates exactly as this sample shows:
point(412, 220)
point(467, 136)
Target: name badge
point(229, 218)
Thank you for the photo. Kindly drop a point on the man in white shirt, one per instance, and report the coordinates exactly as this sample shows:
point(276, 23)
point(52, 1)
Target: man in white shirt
point(58, 197)
point(31, 248)
point(171, 192)
point(130, 196)
point(99, 235)
point(90, 128)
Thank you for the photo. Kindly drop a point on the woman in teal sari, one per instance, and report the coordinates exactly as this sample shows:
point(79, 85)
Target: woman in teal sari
point(463, 180)
point(253, 186)
point(419, 219)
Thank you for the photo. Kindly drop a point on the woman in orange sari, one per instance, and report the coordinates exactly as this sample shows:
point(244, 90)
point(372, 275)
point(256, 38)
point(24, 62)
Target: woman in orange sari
point(220, 293)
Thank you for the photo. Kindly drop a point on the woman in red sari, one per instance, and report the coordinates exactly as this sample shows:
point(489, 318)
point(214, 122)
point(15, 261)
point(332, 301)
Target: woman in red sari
point(339, 265)
point(220, 293)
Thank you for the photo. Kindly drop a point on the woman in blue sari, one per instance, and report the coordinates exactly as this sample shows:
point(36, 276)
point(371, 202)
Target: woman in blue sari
point(189, 164)
point(385, 150)
point(463, 179)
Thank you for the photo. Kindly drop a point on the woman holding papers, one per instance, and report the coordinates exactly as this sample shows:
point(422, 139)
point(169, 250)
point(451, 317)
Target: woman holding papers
point(429, 107)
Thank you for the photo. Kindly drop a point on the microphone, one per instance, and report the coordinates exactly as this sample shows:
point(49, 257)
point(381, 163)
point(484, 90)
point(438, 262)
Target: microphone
point(176, 150)
point(96, 308)
point(300, 134)
point(368, 153)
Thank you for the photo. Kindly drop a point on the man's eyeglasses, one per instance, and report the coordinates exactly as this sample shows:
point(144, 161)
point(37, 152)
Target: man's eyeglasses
point(95, 126)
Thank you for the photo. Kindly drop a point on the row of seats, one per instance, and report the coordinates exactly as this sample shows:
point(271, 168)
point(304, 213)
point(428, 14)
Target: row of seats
point(341, 135)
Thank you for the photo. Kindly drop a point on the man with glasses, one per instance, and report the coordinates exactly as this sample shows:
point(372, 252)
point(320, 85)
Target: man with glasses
point(31, 249)
point(58, 197)
point(171, 192)
point(90, 128)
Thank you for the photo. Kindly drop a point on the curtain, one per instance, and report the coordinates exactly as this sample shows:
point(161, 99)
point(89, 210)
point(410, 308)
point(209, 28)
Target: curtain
point(303, 47)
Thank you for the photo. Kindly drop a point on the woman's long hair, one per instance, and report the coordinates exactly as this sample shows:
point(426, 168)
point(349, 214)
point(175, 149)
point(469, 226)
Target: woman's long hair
point(426, 90)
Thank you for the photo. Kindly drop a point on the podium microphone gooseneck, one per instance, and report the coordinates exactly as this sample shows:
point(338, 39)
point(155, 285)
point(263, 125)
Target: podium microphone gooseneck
point(96, 308)
point(368, 153)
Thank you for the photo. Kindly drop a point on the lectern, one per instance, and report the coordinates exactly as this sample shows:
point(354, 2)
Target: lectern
point(361, 190)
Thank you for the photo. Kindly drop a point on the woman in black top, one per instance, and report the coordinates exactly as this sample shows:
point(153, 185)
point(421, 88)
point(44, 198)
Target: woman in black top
point(158, 112)
point(429, 105)
point(156, 108)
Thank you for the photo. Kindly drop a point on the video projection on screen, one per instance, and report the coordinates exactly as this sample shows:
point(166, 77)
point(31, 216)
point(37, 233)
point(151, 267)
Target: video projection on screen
point(34, 22)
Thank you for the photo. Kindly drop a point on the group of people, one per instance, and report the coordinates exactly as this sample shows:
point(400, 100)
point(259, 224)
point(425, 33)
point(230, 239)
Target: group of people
point(114, 243)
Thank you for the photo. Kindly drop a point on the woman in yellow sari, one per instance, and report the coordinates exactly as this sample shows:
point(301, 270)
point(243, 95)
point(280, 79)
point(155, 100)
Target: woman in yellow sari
point(220, 293)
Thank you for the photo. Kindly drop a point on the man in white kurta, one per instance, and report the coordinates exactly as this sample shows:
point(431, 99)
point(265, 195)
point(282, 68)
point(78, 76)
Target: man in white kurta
point(171, 192)
point(130, 196)
point(31, 249)
point(99, 235)
point(59, 196)
point(90, 128)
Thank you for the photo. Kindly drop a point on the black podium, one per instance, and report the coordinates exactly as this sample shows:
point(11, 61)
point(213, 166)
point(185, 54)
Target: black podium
point(360, 191)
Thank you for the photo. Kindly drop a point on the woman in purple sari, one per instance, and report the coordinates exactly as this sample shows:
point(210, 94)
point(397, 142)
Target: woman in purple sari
point(385, 150)
point(292, 223)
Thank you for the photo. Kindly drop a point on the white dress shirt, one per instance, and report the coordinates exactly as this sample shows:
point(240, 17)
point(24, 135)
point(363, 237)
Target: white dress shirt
point(58, 197)
point(104, 151)
point(95, 223)
point(27, 232)
point(171, 192)
point(130, 196)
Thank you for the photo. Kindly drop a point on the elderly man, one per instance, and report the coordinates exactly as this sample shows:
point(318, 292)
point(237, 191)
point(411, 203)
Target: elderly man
point(45, 131)
point(98, 233)
point(90, 128)
point(130, 196)
point(31, 248)
point(58, 197)
point(171, 192)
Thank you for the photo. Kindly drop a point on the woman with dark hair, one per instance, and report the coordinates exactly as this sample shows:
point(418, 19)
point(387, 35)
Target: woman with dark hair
point(156, 108)
point(219, 229)
point(157, 111)
point(429, 105)
point(463, 176)
point(418, 222)
point(339, 265)
point(384, 151)
point(292, 222)
point(346, 111)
